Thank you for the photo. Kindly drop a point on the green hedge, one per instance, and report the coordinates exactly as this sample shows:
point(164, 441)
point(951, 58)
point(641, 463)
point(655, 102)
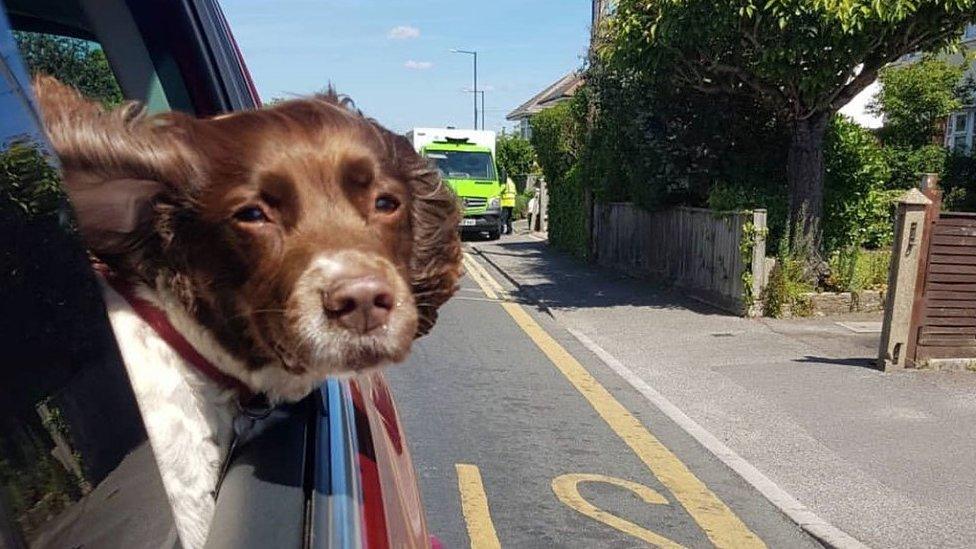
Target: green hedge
point(567, 215)
point(554, 138)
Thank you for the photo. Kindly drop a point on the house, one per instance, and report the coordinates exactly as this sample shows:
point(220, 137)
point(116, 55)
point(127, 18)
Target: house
point(961, 125)
point(557, 92)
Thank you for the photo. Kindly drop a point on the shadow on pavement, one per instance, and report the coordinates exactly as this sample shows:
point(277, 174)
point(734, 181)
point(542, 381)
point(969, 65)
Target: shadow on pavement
point(870, 363)
point(555, 279)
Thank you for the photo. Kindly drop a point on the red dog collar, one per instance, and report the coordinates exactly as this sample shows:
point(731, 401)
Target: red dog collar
point(159, 322)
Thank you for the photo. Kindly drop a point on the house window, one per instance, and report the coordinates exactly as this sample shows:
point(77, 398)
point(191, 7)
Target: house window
point(960, 132)
point(525, 129)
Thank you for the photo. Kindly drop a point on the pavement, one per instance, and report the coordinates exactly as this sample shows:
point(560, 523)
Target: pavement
point(888, 459)
point(522, 437)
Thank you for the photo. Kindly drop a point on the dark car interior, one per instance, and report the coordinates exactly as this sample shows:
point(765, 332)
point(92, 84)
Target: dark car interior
point(74, 460)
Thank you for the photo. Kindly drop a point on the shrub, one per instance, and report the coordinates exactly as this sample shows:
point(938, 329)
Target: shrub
point(907, 164)
point(853, 269)
point(858, 207)
point(786, 288)
point(737, 196)
point(522, 203)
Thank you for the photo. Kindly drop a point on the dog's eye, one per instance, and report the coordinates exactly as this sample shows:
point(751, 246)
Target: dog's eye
point(387, 204)
point(250, 214)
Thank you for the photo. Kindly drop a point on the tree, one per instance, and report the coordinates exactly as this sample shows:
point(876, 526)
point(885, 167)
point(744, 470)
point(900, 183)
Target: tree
point(515, 155)
point(75, 62)
point(657, 146)
point(913, 100)
point(804, 58)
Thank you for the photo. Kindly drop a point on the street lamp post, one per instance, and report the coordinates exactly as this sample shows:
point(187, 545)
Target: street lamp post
point(482, 92)
point(475, 54)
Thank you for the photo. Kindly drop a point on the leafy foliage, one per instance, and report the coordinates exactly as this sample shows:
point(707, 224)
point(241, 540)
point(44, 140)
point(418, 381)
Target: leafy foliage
point(766, 193)
point(75, 62)
point(554, 141)
point(915, 98)
point(788, 284)
point(801, 59)
point(567, 215)
point(859, 208)
point(802, 55)
point(522, 203)
point(649, 144)
point(554, 137)
point(959, 182)
point(853, 269)
point(28, 181)
point(906, 163)
point(515, 155)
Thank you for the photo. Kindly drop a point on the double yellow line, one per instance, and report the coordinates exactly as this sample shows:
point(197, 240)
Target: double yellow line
point(719, 523)
point(480, 275)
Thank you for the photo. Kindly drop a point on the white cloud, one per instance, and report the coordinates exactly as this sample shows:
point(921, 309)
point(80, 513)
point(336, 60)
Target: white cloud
point(403, 32)
point(418, 65)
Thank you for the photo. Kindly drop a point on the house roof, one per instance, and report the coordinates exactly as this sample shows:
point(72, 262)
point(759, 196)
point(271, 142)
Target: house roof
point(561, 89)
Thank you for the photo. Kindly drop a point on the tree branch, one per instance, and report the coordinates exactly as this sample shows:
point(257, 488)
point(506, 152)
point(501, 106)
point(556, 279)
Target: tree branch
point(750, 80)
point(873, 65)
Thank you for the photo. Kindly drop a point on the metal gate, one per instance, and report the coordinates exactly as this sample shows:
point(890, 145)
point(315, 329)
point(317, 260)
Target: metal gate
point(944, 313)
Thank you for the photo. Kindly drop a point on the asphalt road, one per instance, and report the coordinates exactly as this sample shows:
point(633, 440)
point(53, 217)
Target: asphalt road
point(522, 437)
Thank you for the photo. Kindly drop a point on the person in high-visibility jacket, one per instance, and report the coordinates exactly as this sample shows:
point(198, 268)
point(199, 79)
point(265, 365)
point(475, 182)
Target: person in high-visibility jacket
point(508, 205)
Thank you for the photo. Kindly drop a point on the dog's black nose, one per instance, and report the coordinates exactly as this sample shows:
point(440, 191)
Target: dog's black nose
point(360, 304)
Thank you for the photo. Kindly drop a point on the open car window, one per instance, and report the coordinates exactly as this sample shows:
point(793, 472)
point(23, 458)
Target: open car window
point(75, 467)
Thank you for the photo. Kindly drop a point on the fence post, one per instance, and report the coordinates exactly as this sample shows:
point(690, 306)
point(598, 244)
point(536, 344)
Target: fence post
point(758, 260)
point(903, 274)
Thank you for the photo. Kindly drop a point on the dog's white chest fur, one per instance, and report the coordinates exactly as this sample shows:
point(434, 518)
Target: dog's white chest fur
point(188, 417)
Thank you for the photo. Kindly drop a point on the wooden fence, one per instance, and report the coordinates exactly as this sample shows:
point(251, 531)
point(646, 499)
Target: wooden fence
point(694, 248)
point(944, 318)
point(930, 314)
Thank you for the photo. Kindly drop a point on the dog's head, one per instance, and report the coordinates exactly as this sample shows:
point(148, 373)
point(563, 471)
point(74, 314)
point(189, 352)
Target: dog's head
point(304, 235)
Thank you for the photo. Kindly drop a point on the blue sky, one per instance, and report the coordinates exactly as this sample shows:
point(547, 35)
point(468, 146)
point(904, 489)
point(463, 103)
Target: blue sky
point(392, 56)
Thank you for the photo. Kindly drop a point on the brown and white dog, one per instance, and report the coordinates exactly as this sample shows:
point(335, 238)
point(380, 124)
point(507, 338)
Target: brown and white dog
point(284, 245)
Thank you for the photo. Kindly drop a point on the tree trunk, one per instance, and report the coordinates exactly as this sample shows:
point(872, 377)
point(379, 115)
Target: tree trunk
point(805, 173)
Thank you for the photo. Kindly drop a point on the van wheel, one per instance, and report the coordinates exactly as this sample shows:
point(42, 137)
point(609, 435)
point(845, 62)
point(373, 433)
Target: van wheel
point(495, 234)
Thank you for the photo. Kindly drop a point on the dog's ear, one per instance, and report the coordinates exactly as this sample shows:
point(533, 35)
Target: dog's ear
point(435, 213)
point(116, 163)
